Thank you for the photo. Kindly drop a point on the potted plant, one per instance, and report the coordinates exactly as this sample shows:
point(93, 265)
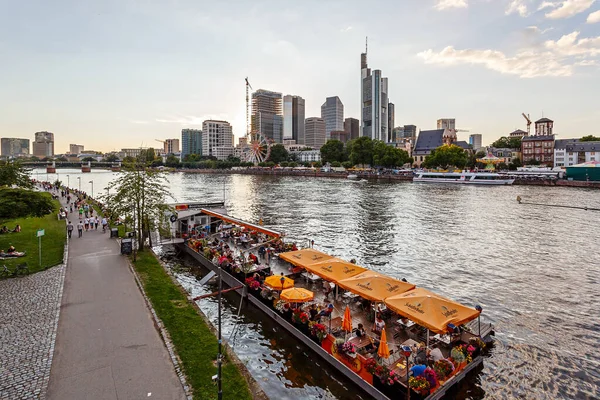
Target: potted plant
point(419, 385)
point(443, 369)
point(392, 378)
point(349, 349)
point(374, 368)
point(319, 330)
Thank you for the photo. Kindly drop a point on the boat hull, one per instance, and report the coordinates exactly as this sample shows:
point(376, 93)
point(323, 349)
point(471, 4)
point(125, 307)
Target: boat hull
point(465, 182)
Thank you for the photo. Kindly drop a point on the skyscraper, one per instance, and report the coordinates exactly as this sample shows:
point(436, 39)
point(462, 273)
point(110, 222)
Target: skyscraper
point(390, 125)
point(293, 118)
point(475, 141)
point(315, 132)
point(374, 102)
point(43, 146)
point(332, 112)
point(267, 114)
point(171, 146)
point(217, 139)
point(14, 147)
point(352, 127)
point(446, 123)
point(76, 148)
point(191, 142)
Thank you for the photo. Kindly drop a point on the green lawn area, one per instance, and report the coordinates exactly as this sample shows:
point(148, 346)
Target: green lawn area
point(52, 243)
point(194, 342)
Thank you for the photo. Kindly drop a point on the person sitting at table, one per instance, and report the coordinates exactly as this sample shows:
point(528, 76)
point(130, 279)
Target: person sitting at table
point(287, 311)
point(328, 288)
point(326, 312)
point(435, 354)
point(418, 370)
point(360, 331)
point(379, 324)
point(313, 312)
point(420, 356)
point(253, 258)
point(374, 345)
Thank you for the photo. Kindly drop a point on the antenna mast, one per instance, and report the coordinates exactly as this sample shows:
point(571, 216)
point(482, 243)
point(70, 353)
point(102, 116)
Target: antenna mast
point(366, 45)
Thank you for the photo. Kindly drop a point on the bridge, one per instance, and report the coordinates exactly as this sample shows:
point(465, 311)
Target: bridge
point(85, 166)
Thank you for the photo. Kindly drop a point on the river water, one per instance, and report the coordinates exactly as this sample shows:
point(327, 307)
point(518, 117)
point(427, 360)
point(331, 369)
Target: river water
point(533, 269)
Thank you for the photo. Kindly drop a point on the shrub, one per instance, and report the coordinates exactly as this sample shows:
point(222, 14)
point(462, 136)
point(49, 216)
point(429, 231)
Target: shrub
point(19, 203)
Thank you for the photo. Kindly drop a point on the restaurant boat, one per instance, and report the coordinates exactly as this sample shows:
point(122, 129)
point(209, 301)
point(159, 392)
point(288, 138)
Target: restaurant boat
point(469, 178)
point(281, 280)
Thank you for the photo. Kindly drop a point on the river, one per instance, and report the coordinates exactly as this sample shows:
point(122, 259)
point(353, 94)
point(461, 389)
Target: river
point(533, 269)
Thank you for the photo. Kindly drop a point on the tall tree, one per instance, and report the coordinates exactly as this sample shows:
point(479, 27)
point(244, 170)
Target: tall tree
point(111, 158)
point(507, 143)
point(388, 156)
point(447, 156)
point(590, 138)
point(13, 173)
point(278, 153)
point(332, 151)
point(361, 150)
point(147, 155)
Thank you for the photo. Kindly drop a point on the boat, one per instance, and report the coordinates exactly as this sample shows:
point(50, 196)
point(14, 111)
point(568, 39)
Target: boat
point(352, 176)
point(211, 230)
point(465, 178)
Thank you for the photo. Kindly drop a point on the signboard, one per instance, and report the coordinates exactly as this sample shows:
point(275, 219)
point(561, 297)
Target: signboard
point(197, 206)
point(41, 232)
point(173, 218)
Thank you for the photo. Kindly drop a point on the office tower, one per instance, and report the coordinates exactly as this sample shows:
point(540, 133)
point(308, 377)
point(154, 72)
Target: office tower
point(342, 136)
point(475, 141)
point(446, 123)
point(43, 146)
point(293, 118)
point(14, 147)
point(315, 132)
point(390, 125)
point(332, 112)
point(76, 148)
point(374, 102)
point(171, 146)
point(352, 126)
point(267, 115)
point(217, 139)
point(191, 142)
point(410, 131)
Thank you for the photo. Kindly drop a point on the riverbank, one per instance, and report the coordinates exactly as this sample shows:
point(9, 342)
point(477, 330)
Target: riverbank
point(195, 343)
point(53, 241)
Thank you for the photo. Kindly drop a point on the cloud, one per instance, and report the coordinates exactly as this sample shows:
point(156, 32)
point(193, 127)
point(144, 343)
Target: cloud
point(445, 4)
point(570, 45)
point(593, 17)
point(346, 29)
point(517, 6)
point(569, 8)
point(191, 120)
point(537, 30)
point(547, 4)
point(587, 63)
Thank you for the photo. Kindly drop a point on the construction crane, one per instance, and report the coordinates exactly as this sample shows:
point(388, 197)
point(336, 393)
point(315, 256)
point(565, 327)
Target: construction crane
point(528, 123)
point(248, 88)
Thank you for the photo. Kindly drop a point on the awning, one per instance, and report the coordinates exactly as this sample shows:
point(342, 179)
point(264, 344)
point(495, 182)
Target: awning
point(239, 222)
point(374, 286)
point(304, 257)
point(335, 269)
point(431, 310)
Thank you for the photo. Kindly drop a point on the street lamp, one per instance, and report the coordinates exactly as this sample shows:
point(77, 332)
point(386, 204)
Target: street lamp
point(68, 180)
point(92, 182)
point(79, 181)
point(407, 351)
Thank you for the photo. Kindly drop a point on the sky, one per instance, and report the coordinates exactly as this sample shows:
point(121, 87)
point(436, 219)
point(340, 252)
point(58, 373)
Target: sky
point(122, 73)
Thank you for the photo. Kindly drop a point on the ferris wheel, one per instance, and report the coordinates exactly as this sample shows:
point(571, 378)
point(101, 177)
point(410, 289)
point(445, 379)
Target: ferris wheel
point(258, 148)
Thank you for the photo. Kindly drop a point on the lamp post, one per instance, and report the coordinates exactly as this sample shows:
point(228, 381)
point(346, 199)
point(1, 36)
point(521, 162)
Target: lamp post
point(68, 180)
point(92, 182)
point(79, 182)
point(407, 351)
point(480, 309)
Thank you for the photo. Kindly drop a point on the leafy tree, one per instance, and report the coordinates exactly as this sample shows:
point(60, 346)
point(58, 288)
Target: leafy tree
point(34, 158)
point(508, 143)
point(234, 160)
point(284, 164)
point(13, 173)
point(86, 159)
point(336, 164)
point(533, 162)
point(347, 164)
point(172, 161)
point(501, 166)
point(156, 163)
point(388, 156)
point(515, 163)
point(446, 156)
point(361, 150)
point(590, 138)
point(333, 151)
point(139, 194)
point(63, 159)
point(19, 203)
point(128, 160)
point(317, 164)
point(191, 157)
point(278, 154)
point(111, 158)
point(293, 164)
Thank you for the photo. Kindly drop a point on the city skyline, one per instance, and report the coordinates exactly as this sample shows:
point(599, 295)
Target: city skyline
point(123, 74)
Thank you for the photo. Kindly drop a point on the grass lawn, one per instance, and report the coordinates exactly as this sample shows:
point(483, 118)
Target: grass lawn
point(194, 342)
point(52, 243)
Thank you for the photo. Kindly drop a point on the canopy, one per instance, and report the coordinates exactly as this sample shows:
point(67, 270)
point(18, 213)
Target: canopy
point(374, 286)
point(274, 282)
point(490, 159)
point(239, 222)
point(347, 321)
point(296, 295)
point(431, 310)
point(587, 164)
point(304, 257)
point(335, 269)
point(383, 351)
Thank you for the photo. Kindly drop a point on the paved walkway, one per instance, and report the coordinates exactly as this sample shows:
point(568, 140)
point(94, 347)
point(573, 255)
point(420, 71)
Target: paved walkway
point(107, 346)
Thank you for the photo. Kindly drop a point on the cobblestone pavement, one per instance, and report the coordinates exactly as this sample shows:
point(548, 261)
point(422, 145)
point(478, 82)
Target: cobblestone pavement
point(28, 320)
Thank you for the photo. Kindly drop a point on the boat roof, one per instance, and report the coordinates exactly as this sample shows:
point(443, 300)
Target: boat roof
point(231, 220)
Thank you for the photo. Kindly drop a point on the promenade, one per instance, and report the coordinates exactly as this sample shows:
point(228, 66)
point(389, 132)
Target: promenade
point(107, 346)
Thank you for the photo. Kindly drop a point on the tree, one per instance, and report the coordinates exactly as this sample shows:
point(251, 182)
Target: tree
point(111, 158)
point(361, 150)
point(147, 155)
point(507, 143)
point(13, 173)
point(333, 151)
point(128, 160)
point(19, 203)
point(139, 194)
point(278, 154)
point(191, 157)
point(172, 161)
point(63, 158)
point(336, 164)
point(86, 159)
point(347, 164)
point(293, 164)
point(501, 166)
point(446, 156)
point(284, 164)
point(590, 138)
point(388, 156)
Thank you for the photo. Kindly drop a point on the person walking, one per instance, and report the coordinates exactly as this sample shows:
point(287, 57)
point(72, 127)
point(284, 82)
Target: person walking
point(104, 224)
point(80, 228)
point(92, 222)
point(96, 222)
point(70, 229)
point(86, 222)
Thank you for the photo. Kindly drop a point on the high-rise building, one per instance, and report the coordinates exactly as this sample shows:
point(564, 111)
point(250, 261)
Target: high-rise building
point(217, 139)
point(475, 141)
point(76, 148)
point(332, 112)
point(374, 102)
point(410, 131)
point(342, 136)
point(191, 142)
point(43, 146)
point(171, 146)
point(352, 126)
point(293, 118)
point(315, 132)
point(446, 123)
point(390, 125)
point(544, 127)
point(267, 114)
point(14, 147)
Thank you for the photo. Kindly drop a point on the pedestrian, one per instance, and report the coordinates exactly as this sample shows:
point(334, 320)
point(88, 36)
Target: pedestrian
point(69, 229)
point(80, 212)
point(86, 222)
point(92, 222)
point(96, 222)
point(104, 224)
point(80, 228)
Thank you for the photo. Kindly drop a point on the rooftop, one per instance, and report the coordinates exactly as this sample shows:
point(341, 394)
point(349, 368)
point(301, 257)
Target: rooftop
point(429, 140)
point(542, 120)
point(538, 137)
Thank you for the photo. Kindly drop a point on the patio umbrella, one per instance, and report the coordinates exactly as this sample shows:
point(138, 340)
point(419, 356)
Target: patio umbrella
point(296, 295)
point(279, 282)
point(304, 257)
point(383, 351)
point(347, 322)
point(335, 269)
point(375, 286)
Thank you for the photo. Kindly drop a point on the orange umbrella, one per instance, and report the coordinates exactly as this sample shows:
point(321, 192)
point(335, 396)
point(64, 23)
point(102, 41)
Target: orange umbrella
point(296, 295)
point(304, 257)
point(375, 286)
point(275, 282)
point(335, 269)
point(383, 351)
point(347, 322)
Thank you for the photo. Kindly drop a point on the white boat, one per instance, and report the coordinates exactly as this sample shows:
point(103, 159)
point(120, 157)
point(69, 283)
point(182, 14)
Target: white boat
point(352, 176)
point(471, 178)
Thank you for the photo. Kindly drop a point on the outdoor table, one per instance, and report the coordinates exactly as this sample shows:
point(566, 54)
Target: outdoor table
point(336, 324)
point(443, 338)
point(350, 295)
point(400, 369)
point(407, 325)
point(311, 277)
point(410, 342)
point(360, 342)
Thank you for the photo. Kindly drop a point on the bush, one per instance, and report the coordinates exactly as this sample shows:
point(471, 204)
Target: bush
point(347, 164)
point(19, 203)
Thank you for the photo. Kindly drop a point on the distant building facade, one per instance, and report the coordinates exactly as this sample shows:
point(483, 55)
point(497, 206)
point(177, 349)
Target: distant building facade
point(293, 118)
point(404, 132)
point(427, 141)
point(14, 147)
point(446, 123)
point(352, 127)
point(315, 132)
point(374, 102)
point(171, 146)
point(539, 148)
point(76, 148)
point(267, 114)
point(342, 136)
point(569, 152)
point(191, 142)
point(517, 133)
point(332, 112)
point(308, 155)
point(391, 122)
point(217, 139)
point(544, 127)
point(43, 146)
point(475, 141)
point(506, 154)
